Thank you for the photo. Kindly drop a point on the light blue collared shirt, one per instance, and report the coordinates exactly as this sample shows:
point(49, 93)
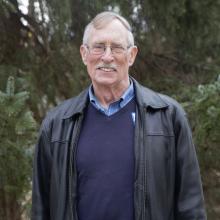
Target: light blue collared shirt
point(114, 107)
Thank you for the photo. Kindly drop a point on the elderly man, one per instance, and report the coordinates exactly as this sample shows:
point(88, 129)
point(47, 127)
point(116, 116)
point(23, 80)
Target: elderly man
point(117, 151)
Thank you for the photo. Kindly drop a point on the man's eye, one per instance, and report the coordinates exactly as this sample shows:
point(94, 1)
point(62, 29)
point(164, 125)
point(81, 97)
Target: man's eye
point(118, 49)
point(98, 47)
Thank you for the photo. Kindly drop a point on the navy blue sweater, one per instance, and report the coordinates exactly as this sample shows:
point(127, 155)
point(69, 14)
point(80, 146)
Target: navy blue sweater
point(105, 165)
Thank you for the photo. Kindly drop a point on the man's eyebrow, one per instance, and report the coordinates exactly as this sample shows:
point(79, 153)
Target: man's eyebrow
point(116, 44)
point(112, 44)
point(98, 42)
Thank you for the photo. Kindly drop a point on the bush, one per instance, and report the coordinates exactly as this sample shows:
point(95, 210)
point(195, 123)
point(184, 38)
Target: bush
point(17, 134)
point(205, 117)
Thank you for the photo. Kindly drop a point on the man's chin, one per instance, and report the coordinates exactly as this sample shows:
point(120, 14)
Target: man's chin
point(105, 80)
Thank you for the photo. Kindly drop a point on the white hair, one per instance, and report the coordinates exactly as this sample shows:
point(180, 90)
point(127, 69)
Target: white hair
point(104, 18)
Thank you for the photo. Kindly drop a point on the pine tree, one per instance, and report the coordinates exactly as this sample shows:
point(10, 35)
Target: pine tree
point(205, 112)
point(17, 134)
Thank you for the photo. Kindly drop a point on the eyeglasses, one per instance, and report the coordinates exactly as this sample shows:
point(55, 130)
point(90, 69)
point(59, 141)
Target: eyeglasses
point(99, 49)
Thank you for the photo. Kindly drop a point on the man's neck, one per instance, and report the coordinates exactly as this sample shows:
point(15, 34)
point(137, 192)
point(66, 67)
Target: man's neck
point(109, 94)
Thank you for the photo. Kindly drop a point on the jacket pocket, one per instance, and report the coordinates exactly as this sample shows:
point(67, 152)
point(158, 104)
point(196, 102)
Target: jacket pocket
point(161, 172)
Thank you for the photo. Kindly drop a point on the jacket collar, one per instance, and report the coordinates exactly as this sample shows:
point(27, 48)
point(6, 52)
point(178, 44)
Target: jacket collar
point(148, 98)
point(78, 104)
point(145, 97)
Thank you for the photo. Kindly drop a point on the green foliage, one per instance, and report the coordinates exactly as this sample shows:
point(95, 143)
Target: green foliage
point(205, 111)
point(205, 114)
point(187, 29)
point(17, 135)
point(6, 6)
point(179, 47)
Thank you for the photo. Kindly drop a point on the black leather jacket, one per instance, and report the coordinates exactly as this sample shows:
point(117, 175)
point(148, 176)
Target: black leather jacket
point(167, 178)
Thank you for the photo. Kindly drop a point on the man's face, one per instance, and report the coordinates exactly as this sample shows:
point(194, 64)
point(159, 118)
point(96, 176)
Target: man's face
point(108, 68)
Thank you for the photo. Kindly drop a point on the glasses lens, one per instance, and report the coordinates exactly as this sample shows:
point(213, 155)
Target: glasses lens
point(98, 49)
point(117, 50)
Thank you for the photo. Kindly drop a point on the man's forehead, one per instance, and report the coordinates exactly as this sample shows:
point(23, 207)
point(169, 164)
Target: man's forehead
point(111, 41)
point(108, 42)
point(114, 32)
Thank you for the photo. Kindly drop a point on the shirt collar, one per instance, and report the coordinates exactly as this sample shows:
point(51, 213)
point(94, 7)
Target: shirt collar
point(127, 96)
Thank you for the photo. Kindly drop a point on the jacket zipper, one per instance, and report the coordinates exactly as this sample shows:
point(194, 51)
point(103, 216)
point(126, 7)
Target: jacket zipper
point(145, 176)
point(75, 137)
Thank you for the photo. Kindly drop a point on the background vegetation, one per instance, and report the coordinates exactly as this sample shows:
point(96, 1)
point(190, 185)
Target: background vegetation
point(179, 47)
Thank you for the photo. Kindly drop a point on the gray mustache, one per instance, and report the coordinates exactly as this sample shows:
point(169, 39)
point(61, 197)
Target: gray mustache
point(106, 66)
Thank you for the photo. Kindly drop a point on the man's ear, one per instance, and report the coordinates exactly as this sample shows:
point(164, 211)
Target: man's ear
point(83, 52)
point(132, 55)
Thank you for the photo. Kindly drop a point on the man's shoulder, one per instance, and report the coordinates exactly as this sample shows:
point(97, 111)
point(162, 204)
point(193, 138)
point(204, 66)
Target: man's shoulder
point(172, 103)
point(156, 100)
point(68, 108)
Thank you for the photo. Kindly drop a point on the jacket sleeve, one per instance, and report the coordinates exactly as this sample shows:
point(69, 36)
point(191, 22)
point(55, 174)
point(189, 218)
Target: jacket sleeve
point(189, 201)
point(41, 177)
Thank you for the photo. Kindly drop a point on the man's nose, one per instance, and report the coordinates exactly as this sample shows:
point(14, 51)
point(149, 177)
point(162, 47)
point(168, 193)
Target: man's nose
point(107, 56)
